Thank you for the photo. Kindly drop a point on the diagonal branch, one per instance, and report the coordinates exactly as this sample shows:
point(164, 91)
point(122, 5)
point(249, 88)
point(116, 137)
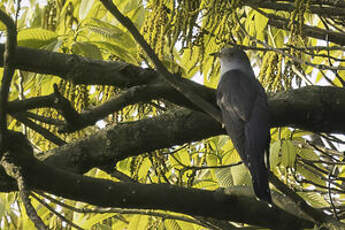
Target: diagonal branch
point(192, 96)
point(131, 96)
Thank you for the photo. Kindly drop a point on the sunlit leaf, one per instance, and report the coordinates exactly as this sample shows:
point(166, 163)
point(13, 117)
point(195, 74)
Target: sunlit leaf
point(289, 152)
point(36, 38)
point(85, 7)
point(86, 49)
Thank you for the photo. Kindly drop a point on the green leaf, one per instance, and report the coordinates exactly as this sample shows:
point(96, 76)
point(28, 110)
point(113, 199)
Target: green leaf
point(308, 154)
point(86, 49)
point(144, 168)
point(36, 38)
point(185, 225)
point(275, 158)
point(171, 225)
point(260, 22)
point(138, 222)
point(137, 16)
point(87, 222)
point(184, 157)
point(211, 159)
point(2, 207)
point(109, 32)
point(104, 227)
point(124, 54)
point(2, 26)
point(314, 199)
point(310, 175)
point(240, 175)
point(224, 177)
point(206, 184)
point(289, 152)
point(84, 8)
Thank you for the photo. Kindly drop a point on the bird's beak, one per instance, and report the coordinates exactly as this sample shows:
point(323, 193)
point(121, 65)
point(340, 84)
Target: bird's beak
point(215, 54)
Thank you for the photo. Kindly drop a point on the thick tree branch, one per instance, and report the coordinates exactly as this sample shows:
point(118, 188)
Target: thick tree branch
point(313, 108)
point(196, 202)
point(78, 69)
point(86, 71)
point(133, 138)
point(320, 109)
point(325, 119)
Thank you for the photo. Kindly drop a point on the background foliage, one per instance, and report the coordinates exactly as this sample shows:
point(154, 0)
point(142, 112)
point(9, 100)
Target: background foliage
point(282, 40)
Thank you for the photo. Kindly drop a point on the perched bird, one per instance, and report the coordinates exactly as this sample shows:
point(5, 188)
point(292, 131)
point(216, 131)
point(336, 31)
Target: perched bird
point(245, 115)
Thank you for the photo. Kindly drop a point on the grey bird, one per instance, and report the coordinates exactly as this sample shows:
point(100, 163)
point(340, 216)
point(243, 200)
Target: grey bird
point(245, 115)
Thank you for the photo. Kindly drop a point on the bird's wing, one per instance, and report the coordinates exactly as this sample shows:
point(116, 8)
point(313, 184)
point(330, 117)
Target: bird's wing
point(236, 93)
point(256, 146)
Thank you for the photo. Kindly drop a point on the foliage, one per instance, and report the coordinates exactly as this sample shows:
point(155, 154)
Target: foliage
point(182, 34)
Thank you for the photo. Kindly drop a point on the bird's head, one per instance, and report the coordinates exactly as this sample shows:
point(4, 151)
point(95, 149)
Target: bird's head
point(233, 58)
point(231, 54)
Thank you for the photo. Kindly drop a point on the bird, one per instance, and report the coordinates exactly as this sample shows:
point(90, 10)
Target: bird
point(245, 116)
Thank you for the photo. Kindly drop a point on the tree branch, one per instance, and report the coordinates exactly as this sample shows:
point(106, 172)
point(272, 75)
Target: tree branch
point(319, 10)
point(8, 60)
point(314, 108)
point(131, 96)
point(310, 31)
point(198, 101)
point(150, 196)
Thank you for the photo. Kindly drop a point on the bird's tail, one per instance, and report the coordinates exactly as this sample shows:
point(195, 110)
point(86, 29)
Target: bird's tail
point(259, 172)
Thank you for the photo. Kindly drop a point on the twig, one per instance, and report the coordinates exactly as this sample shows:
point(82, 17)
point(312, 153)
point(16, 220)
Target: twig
point(133, 95)
point(315, 32)
point(122, 211)
point(315, 214)
point(30, 210)
point(117, 174)
point(327, 78)
point(329, 11)
point(330, 193)
point(329, 56)
point(298, 60)
point(323, 150)
point(44, 119)
point(39, 129)
point(196, 168)
point(64, 106)
point(55, 212)
point(321, 186)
